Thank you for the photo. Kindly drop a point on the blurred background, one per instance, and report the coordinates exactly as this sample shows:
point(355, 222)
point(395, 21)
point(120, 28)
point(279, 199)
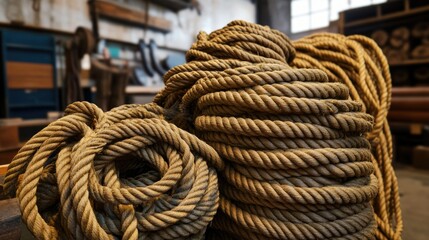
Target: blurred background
point(112, 52)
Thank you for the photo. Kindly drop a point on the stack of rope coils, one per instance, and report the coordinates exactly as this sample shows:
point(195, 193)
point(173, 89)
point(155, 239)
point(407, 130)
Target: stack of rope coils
point(297, 165)
point(122, 174)
point(361, 65)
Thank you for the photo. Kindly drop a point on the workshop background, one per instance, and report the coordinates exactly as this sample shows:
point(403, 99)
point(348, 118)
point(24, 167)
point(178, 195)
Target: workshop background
point(112, 52)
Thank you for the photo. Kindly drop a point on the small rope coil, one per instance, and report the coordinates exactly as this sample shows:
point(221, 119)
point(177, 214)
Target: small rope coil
point(124, 174)
point(296, 163)
point(359, 63)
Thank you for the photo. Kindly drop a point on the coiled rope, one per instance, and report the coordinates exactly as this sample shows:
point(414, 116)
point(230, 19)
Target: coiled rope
point(359, 63)
point(123, 174)
point(297, 165)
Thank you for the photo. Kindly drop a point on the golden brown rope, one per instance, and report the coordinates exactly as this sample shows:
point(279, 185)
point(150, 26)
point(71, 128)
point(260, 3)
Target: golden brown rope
point(297, 165)
point(123, 174)
point(358, 62)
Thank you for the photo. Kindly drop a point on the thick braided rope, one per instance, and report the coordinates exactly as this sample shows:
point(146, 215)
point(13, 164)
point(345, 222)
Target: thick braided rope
point(296, 163)
point(124, 174)
point(358, 62)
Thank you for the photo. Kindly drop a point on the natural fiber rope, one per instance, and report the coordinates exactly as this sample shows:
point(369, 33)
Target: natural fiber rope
point(358, 62)
point(122, 174)
point(296, 163)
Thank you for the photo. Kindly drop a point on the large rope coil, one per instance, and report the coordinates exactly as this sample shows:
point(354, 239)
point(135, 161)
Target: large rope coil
point(359, 63)
point(291, 146)
point(123, 174)
point(297, 165)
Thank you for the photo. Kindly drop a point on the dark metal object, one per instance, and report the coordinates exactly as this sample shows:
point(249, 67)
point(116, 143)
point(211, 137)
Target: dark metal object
point(153, 58)
point(146, 58)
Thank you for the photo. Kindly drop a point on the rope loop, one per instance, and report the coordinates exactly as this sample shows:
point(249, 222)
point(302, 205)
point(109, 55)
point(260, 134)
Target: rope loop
point(124, 174)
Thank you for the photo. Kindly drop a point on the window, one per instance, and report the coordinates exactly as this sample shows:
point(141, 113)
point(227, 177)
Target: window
point(312, 14)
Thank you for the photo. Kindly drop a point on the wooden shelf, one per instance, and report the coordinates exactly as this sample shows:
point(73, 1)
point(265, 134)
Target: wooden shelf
point(410, 91)
point(135, 90)
point(387, 11)
point(138, 90)
point(174, 5)
point(69, 33)
point(113, 40)
point(124, 14)
point(386, 17)
point(409, 62)
point(35, 28)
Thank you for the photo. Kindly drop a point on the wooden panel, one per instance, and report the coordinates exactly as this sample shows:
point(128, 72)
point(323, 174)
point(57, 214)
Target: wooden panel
point(9, 136)
point(410, 91)
point(29, 75)
point(21, 122)
point(410, 103)
point(3, 169)
point(122, 13)
point(6, 156)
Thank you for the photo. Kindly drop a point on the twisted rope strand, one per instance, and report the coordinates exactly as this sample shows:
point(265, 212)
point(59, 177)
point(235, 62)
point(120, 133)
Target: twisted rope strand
point(123, 174)
point(289, 138)
point(358, 62)
point(296, 131)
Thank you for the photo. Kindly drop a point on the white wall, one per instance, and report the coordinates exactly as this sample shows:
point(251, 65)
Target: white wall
point(68, 14)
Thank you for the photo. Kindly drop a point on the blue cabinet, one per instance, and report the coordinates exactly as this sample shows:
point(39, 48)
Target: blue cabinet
point(28, 86)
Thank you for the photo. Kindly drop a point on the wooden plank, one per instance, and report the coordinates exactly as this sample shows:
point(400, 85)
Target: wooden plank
point(410, 103)
point(410, 62)
point(10, 219)
point(3, 169)
point(135, 90)
point(24, 123)
point(35, 28)
point(11, 139)
point(118, 12)
point(9, 136)
point(410, 91)
point(70, 33)
point(21, 75)
point(138, 90)
point(6, 155)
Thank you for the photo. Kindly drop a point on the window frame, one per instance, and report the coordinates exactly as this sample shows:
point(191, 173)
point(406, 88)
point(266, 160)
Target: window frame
point(329, 12)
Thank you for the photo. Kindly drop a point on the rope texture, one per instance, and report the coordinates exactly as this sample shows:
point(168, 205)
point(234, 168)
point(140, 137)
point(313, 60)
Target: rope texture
point(359, 63)
point(124, 174)
point(296, 163)
point(291, 146)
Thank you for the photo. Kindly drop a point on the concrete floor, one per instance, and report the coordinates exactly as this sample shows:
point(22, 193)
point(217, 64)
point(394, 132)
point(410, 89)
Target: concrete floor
point(414, 192)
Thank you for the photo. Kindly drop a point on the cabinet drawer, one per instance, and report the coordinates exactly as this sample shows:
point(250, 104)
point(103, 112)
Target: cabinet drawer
point(40, 97)
point(27, 38)
point(22, 75)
